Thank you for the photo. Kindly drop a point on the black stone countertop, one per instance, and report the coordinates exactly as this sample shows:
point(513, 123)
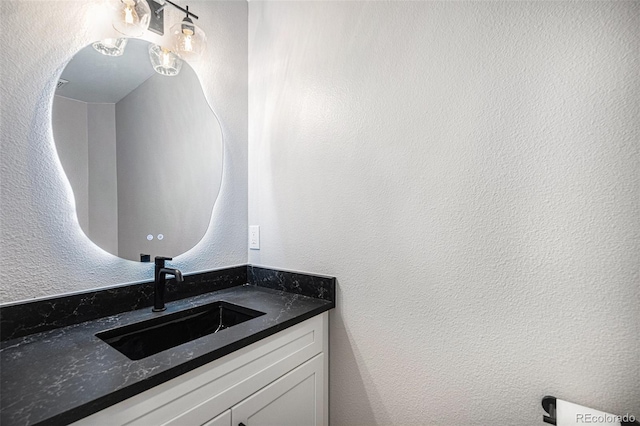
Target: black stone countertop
point(62, 375)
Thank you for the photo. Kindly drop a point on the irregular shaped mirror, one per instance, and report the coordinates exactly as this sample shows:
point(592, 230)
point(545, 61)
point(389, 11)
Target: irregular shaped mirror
point(142, 151)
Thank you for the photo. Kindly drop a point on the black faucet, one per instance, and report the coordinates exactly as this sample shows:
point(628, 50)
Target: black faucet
point(161, 281)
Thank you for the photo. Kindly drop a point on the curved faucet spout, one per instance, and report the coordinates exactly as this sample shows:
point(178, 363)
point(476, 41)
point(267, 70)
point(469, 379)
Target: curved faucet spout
point(169, 271)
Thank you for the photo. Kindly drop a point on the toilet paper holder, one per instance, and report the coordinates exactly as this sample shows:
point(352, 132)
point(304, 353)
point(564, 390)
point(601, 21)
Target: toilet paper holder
point(550, 403)
point(549, 406)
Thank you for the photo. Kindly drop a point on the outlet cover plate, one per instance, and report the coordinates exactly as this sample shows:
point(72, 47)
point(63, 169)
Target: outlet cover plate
point(254, 237)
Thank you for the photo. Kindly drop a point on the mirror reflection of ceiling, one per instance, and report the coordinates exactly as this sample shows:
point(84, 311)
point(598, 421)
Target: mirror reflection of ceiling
point(94, 77)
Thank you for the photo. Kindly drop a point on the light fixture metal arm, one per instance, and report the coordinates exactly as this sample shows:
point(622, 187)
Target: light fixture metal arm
point(191, 14)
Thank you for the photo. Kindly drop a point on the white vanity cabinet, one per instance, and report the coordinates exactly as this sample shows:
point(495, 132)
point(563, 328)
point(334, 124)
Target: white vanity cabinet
point(280, 380)
point(223, 419)
point(289, 401)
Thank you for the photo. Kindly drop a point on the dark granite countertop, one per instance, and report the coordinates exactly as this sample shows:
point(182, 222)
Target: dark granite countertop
point(61, 375)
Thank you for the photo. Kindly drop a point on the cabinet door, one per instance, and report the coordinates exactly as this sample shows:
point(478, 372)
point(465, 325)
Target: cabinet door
point(295, 399)
point(223, 419)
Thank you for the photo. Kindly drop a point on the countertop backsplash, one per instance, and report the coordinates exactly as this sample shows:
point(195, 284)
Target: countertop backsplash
point(22, 319)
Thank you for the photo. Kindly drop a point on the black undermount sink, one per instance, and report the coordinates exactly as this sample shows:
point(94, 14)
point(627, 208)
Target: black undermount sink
point(146, 338)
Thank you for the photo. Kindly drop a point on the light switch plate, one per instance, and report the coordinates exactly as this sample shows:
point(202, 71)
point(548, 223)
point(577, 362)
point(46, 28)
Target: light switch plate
point(254, 237)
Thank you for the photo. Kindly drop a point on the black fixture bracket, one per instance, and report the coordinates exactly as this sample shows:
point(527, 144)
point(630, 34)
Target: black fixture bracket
point(156, 22)
point(164, 3)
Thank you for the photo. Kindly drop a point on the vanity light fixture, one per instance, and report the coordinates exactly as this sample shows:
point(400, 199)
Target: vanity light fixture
point(131, 17)
point(111, 46)
point(188, 40)
point(164, 61)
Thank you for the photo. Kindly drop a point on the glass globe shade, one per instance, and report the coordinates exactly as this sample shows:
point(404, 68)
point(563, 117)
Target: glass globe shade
point(111, 46)
point(131, 17)
point(164, 61)
point(188, 40)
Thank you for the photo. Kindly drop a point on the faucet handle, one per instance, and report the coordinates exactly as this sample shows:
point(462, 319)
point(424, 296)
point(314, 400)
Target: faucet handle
point(160, 260)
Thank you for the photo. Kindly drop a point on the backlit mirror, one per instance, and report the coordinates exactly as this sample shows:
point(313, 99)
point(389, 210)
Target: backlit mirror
point(142, 151)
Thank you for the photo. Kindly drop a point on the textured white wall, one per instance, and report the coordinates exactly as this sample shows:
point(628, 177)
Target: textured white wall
point(44, 252)
point(470, 173)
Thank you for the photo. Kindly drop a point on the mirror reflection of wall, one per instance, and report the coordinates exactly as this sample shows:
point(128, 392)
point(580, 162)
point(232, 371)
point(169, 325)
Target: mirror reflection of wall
point(86, 133)
point(142, 151)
